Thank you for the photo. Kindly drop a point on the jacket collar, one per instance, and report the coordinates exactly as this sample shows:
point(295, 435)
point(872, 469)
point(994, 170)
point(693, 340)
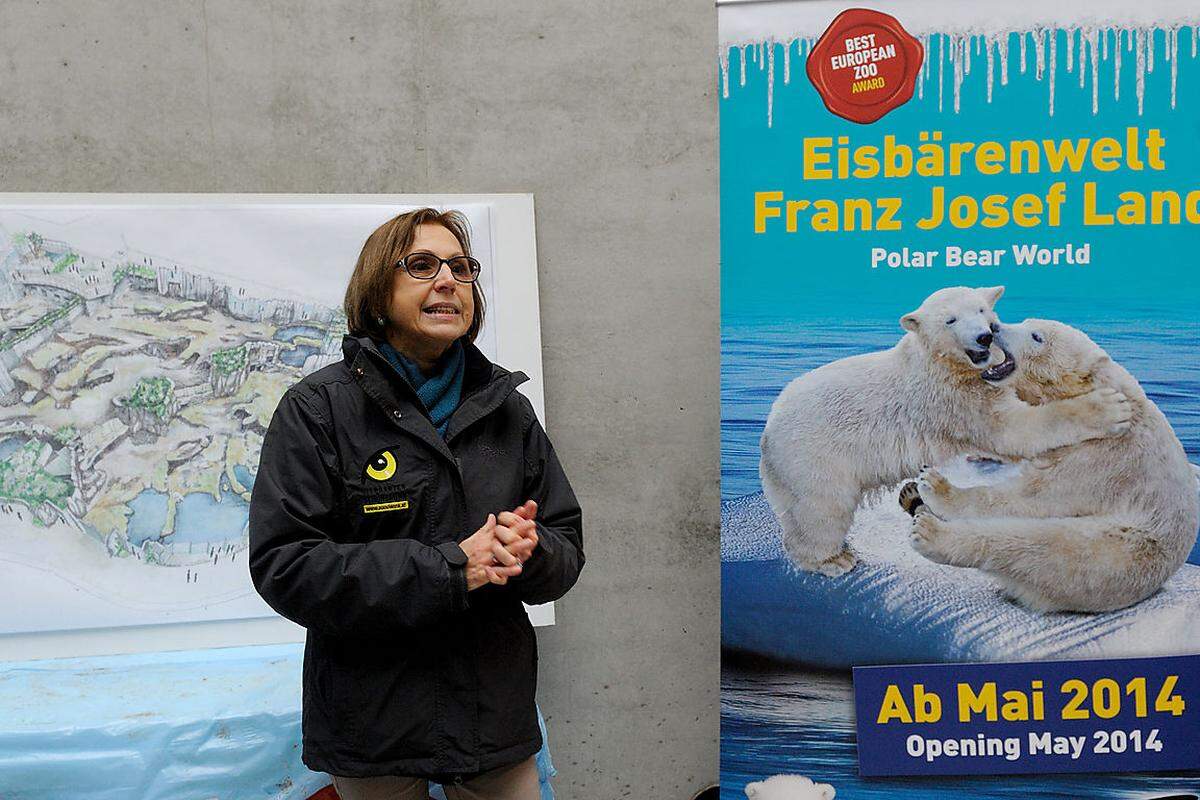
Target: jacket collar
point(485, 387)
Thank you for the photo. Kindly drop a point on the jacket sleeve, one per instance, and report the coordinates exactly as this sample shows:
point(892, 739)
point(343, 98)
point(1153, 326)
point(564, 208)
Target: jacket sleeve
point(557, 560)
point(300, 567)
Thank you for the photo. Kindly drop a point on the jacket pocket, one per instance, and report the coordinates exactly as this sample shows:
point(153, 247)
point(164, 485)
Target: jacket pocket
point(387, 511)
point(507, 681)
point(389, 694)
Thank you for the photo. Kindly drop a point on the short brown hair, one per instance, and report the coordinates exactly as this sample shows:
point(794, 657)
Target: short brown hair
point(370, 287)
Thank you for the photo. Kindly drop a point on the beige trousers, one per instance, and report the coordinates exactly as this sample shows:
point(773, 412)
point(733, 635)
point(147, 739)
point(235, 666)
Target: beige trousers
point(516, 782)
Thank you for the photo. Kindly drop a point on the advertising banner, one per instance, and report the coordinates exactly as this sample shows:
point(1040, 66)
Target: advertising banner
point(960, 414)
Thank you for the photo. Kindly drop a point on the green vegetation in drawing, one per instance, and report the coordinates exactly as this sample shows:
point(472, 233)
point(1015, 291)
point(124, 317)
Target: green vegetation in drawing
point(23, 478)
point(156, 395)
point(15, 337)
point(64, 262)
point(65, 434)
point(136, 270)
point(229, 360)
point(33, 240)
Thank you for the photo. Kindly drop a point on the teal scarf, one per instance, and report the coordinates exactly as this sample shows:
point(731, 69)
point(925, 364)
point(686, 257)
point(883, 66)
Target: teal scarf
point(442, 389)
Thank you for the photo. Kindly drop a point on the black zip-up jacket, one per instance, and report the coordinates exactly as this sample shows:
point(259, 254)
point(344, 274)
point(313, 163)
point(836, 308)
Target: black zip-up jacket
point(357, 509)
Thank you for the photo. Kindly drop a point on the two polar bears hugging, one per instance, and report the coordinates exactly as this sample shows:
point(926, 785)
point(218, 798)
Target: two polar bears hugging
point(1103, 507)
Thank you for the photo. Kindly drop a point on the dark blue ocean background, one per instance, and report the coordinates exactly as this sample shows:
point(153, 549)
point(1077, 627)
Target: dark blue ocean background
point(760, 356)
point(778, 720)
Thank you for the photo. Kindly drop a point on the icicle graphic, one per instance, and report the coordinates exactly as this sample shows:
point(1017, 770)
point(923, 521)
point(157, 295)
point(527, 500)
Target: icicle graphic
point(1053, 66)
point(1173, 57)
point(941, 66)
point(724, 57)
point(958, 54)
point(1002, 48)
point(1082, 45)
point(988, 47)
point(1093, 41)
point(1117, 65)
point(1039, 46)
point(770, 83)
point(955, 51)
point(1139, 46)
point(924, 73)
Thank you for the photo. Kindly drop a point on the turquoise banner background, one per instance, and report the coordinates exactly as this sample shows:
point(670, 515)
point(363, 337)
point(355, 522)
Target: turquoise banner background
point(795, 275)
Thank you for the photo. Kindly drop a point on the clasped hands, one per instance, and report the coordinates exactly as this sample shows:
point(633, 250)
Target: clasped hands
point(496, 551)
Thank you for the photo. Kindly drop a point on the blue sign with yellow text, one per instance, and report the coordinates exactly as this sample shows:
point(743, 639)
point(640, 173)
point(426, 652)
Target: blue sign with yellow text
point(1139, 714)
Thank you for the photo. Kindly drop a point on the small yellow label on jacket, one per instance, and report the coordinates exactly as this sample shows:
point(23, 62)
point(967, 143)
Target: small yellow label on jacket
point(377, 508)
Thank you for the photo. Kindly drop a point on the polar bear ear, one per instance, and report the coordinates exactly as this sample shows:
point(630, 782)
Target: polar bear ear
point(910, 321)
point(993, 293)
point(827, 792)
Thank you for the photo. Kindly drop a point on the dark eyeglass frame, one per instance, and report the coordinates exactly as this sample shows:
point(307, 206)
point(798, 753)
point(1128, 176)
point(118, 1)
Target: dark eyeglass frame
point(471, 262)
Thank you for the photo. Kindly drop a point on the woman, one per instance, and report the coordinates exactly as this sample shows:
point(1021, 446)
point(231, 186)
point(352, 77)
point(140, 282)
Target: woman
point(407, 501)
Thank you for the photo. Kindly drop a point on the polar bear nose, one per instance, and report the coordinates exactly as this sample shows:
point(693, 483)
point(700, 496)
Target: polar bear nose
point(984, 339)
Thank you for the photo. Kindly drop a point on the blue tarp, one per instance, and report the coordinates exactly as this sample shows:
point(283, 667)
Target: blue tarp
point(202, 724)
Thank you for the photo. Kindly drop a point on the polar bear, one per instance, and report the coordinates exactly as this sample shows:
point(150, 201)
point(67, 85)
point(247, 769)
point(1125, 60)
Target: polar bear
point(1094, 526)
point(871, 420)
point(789, 787)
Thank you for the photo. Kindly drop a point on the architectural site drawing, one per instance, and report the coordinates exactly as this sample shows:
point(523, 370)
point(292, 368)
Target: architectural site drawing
point(134, 395)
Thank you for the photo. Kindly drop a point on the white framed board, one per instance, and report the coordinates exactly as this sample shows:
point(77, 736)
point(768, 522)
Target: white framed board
point(145, 340)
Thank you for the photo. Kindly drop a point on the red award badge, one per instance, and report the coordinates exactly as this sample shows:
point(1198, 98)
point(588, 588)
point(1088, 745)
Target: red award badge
point(865, 65)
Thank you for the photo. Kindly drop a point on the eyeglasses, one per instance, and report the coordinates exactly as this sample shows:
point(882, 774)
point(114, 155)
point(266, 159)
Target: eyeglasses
point(425, 266)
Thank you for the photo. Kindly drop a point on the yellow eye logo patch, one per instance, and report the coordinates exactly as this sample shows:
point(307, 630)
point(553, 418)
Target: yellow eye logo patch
point(382, 467)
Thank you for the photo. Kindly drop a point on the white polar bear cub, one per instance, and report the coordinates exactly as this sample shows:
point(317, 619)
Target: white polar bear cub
point(789, 787)
point(1092, 527)
point(871, 420)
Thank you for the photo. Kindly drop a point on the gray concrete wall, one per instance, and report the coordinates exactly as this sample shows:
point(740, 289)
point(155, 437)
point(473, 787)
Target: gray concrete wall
point(606, 113)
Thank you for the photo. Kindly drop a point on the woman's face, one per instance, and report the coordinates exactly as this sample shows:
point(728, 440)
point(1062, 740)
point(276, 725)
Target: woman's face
point(430, 314)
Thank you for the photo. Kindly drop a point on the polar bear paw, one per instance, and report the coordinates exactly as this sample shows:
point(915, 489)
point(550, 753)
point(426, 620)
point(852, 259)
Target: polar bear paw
point(936, 492)
point(839, 564)
point(910, 498)
point(1107, 410)
point(931, 537)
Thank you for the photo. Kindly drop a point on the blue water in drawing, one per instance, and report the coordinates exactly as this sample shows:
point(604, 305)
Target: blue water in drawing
point(149, 514)
point(243, 475)
point(11, 445)
point(292, 331)
point(198, 517)
point(297, 355)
